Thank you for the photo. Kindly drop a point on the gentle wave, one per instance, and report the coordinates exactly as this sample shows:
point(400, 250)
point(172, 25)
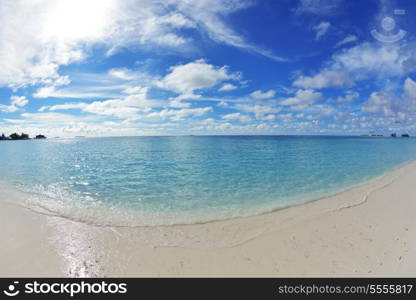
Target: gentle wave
point(168, 181)
point(44, 201)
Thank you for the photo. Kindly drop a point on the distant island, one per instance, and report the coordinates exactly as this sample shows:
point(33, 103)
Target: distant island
point(393, 135)
point(23, 136)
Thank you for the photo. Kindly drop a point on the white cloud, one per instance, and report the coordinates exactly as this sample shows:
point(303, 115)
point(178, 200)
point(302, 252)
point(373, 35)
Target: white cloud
point(133, 107)
point(178, 114)
point(397, 109)
point(267, 117)
point(178, 20)
point(347, 40)
point(194, 76)
point(299, 107)
point(318, 111)
point(179, 104)
point(227, 87)
point(76, 93)
point(122, 73)
point(303, 97)
point(44, 92)
point(127, 107)
point(409, 98)
point(110, 84)
point(286, 116)
point(50, 90)
point(65, 106)
point(223, 104)
point(170, 39)
point(15, 103)
point(54, 124)
point(378, 103)
point(208, 121)
point(38, 37)
point(19, 101)
point(8, 108)
point(321, 29)
point(209, 16)
point(318, 7)
point(368, 60)
point(349, 97)
point(187, 96)
point(263, 95)
point(52, 117)
point(237, 116)
point(375, 59)
point(410, 88)
point(324, 79)
point(257, 109)
point(116, 108)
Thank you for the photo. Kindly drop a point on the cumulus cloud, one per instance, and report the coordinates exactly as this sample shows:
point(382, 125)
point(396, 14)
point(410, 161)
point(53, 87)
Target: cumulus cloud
point(133, 107)
point(409, 96)
point(15, 103)
point(237, 116)
point(122, 73)
point(375, 59)
point(324, 79)
point(302, 97)
point(19, 101)
point(194, 76)
point(263, 95)
point(50, 89)
point(364, 61)
point(379, 103)
point(8, 108)
point(257, 109)
point(177, 103)
point(40, 36)
point(227, 87)
point(127, 107)
point(349, 97)
point(318, 111)
point(410, 88)
point(386, 104)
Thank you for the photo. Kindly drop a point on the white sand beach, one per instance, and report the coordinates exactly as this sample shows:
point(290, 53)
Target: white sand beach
point(365, 231)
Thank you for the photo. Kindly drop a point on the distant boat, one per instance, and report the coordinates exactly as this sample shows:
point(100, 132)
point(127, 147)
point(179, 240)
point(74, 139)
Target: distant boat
point(393, 135)
point(80, 137)
point(405, 135)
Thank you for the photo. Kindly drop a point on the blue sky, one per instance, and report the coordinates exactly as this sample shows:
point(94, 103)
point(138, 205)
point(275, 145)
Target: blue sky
point(109, 68)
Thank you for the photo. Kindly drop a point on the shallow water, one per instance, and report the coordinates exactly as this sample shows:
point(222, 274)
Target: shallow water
point(136, 181)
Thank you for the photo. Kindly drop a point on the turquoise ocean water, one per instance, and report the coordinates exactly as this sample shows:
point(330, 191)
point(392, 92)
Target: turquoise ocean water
point(136, 181)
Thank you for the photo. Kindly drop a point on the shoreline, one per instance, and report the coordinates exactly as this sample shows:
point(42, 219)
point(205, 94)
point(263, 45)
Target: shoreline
point(286, 242)
point(264, 209)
